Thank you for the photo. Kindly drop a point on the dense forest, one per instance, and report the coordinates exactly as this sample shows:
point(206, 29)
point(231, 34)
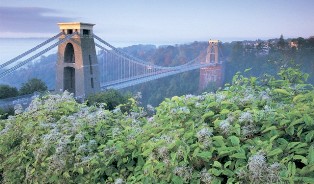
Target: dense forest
point(259, 56)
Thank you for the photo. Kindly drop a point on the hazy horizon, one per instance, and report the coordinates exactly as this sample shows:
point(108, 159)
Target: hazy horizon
point(176, 21)
point(10, 49)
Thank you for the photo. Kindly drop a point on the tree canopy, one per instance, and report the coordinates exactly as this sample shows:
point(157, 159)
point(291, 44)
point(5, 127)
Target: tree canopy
point(7, 91)
point(111, 98)
point(33, 85)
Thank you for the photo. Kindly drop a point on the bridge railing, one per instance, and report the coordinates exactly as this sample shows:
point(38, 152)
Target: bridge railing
point(24, 100)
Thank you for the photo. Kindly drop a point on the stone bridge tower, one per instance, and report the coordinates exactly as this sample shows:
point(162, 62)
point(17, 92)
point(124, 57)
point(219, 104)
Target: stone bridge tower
point(77, 66)
point(214, 73)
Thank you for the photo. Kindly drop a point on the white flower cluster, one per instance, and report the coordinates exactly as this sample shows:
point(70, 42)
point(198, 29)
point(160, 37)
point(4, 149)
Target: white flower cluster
point(184, 172)
point(138, 97)
point(150, 119)
point(264, 95)
point(150, 108)
point(163, 152)
point(248, 130)
point(180, 110)
point(246, 117)
point(203, 136)
point(260, 171)
point(220, 97)
point(224, 126)
point(34, 105)
point(257, 165)
point(117, 110)
point(247, 99)
point(18, 109)
point(166, 138)
point(206, 177)
point(50, 102)
point(180, 152)
point(115, 131)
point(136, 129)
point(7, 127)
point(119, 181)
point(189, 96)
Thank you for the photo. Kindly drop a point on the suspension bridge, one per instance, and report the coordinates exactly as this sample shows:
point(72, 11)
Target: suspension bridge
point(79, 71)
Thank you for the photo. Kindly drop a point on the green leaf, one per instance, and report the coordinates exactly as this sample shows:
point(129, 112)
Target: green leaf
point(310, 156)
point(173, 156)
point(218, 141)
point(276, 151)
point(205, 155)
point(33, 170)
point(290, 130)
point(196, 151)
point(208, 114)
point(212, 104)
point(308, 120)
point(281, 91)
point(80, 170)
point(292, 145)
point(66, 174)
point(234, 140)
point(309, 136)
point(302, 158)
point(298, 98)
point(227, 164)
point(177, 180)
point(291, 168)
point(215, 172)
point(305, 179)
point(217, 164)
point(307, 169)
point(228, 173)
point(269, 129)
point(224, 111)
point(239, 155)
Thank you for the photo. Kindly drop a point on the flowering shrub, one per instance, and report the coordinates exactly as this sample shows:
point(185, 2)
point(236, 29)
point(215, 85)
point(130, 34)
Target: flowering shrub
point(253, 131)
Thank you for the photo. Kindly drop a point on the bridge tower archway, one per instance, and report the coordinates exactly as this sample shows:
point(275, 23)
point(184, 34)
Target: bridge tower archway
point(69, 56)
point(213, 74)
point(77, 65)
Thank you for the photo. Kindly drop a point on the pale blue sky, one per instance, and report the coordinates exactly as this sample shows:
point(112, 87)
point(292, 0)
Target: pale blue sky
point(162, 21)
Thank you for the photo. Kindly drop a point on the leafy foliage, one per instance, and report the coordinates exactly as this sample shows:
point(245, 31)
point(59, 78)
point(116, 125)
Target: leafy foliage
point(33, 85)
point(257, 130)
point(7, 91)
point(6, 112)
point(111, 98)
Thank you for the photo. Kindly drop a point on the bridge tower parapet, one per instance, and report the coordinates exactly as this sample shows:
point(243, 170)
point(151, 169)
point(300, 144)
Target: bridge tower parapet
point(77, 65)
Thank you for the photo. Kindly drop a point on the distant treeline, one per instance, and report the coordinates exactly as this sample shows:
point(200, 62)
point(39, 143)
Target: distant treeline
point(261, 56)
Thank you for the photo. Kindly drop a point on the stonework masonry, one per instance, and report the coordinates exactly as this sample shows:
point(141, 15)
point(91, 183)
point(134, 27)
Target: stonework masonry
point(77, 65)
point(213, 74)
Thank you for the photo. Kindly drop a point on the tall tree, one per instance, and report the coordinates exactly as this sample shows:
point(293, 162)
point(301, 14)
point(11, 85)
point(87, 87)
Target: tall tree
point(281, 43)
point(7, 91)
point(33, 85)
